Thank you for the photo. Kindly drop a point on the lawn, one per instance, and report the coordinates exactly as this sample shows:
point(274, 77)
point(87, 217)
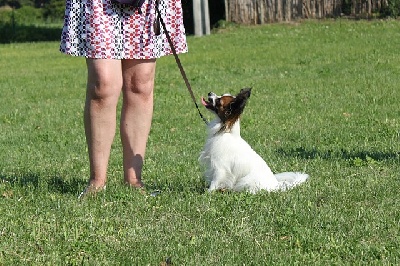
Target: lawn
point(325, 100)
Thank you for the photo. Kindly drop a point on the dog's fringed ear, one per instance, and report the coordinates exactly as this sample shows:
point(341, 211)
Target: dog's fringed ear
point(235, 109)
point(241, 100)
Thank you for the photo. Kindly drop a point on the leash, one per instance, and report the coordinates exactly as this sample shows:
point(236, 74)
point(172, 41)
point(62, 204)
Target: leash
point(178, 61)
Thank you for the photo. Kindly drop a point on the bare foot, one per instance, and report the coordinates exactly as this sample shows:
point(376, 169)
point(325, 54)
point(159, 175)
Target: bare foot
point(91, 190)
point(135, 183)
point(97, 184)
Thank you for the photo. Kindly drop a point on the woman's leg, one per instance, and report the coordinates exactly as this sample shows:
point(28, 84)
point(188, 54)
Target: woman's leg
point(137, 112)
point(103, 89)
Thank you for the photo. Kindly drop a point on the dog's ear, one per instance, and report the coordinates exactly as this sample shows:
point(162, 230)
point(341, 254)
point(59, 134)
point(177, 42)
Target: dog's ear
point(235, 109)
point(246, 92)
point(241, 99)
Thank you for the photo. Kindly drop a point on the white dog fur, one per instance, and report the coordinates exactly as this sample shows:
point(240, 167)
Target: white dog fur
point(229, 160)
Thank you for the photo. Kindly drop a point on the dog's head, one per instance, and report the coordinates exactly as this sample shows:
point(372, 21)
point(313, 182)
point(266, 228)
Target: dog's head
point(227, 107)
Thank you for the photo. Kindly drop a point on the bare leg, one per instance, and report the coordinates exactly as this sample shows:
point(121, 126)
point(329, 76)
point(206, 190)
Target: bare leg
point(137, 112)
point(103, 89)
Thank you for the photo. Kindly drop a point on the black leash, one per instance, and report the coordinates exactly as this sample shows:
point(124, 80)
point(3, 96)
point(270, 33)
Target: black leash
point(178, 62)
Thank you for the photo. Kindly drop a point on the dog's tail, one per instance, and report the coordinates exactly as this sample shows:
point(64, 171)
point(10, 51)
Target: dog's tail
point(288, 180)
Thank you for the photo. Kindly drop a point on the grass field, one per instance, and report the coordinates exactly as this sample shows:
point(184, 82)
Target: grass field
point(325, 101)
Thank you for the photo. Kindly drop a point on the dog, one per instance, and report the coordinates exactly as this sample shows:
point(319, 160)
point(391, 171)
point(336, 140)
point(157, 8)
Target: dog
point(230, 163)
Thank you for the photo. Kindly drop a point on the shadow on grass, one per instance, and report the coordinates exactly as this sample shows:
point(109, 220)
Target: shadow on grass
point(313, 153)
point(54, 184)
point(72, 186)
point(24, 180)
point(66, 186)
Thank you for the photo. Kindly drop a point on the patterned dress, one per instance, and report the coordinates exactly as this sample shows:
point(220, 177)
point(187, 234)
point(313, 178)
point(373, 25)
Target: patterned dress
point(104, 29)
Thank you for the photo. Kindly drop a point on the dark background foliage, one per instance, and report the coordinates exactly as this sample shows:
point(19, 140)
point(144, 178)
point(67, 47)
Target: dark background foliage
point(41, 20)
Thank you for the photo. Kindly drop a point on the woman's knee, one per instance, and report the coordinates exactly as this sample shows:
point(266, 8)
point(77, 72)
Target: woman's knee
point(138, 77)
point(104, 80)
point(102, 90)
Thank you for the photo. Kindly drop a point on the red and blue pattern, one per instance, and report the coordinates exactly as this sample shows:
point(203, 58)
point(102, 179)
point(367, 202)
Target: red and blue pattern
point(108, 30)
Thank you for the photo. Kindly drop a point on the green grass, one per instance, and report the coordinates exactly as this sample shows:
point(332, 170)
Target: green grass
point(325, 101)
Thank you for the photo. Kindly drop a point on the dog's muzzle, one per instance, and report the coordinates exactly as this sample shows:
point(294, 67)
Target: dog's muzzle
point(212, 98)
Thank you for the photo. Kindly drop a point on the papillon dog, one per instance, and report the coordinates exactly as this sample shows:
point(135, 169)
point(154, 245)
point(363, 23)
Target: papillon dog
point(230, 162)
